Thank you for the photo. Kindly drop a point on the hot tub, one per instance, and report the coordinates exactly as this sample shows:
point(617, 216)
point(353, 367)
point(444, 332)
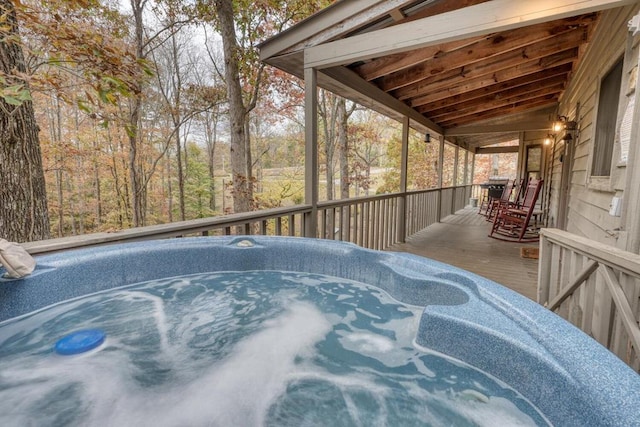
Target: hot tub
point(520, 346)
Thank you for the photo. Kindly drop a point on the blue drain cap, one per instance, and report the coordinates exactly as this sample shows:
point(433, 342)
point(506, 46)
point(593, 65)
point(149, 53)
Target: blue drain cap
point(80, 341)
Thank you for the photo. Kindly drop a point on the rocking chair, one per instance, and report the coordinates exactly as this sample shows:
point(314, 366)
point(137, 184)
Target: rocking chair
point(512, 224)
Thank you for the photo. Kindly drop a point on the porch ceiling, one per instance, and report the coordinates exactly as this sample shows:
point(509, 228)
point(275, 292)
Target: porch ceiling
point(478, 78)
point(498, 79)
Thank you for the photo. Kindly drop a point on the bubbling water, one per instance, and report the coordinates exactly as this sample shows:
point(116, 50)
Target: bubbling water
point(243, 349)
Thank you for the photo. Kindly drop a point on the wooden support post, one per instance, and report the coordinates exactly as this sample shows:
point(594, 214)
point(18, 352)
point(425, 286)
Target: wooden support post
point(522, 168)
point(404, 162)
point(473, 172)
point(466, 167)
point(456, 172)
point(440, 178)
point(456, 166)
point(311, 150)
point(544, 270)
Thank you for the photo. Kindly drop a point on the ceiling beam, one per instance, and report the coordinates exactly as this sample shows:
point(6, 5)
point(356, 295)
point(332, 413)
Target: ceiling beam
point(391, 63)
point(484, 18)
point(507, 127)
point(497, 150)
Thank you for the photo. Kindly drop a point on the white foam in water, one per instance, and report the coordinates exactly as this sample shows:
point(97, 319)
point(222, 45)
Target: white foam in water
point(241, 389)
point(236, 392)
point(370, 343)
point(249, 380)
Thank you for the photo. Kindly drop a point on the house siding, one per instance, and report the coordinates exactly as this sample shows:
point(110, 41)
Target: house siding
point(590, 198)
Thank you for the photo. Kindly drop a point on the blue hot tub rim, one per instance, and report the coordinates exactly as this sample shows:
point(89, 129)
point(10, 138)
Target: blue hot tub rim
point(570, 377)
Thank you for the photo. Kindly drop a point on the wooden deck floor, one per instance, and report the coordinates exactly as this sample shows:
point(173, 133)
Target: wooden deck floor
point(462, 240)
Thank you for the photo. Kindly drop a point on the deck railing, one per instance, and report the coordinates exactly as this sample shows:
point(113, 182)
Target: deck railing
point(594, 286)
point(372, 222)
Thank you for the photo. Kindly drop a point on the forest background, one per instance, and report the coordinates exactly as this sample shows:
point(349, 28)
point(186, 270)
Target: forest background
point(150, 112)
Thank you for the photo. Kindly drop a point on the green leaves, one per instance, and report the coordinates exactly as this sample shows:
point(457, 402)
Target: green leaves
point(15, 94)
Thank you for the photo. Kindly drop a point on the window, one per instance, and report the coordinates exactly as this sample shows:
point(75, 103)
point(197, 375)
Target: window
point(534, 160)
point(606, 121)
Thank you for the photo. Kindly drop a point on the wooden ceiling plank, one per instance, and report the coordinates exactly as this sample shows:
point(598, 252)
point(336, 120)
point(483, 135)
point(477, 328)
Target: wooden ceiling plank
point(479, 108)
point(485, 18)
point(502, 111)
point(496, 49)
point(437, 109)
point(436, 100)
point(515, 66)
point(388, 64)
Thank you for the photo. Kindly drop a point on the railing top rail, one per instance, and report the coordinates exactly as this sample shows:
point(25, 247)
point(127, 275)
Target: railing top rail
point(430, 190)
point(159, 231)
point(614, 257)
point(354, 200)
point(343, 202)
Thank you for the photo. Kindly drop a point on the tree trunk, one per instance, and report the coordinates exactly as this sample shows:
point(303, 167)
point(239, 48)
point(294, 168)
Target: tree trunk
point(248, 158)
point(23, 196)
point(343, 148)
point(327, 107)
point(211, 134)
point(242, 191)
point(177, 119)
point(169, 190)
point(80, 181)
point(55, 134)
point(133, 127)
point(180, 173)
point(96, 182)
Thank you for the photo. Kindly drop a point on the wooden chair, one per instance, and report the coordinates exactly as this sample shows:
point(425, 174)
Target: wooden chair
point(519, 192)
point(513, 201)
point(512, 224)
